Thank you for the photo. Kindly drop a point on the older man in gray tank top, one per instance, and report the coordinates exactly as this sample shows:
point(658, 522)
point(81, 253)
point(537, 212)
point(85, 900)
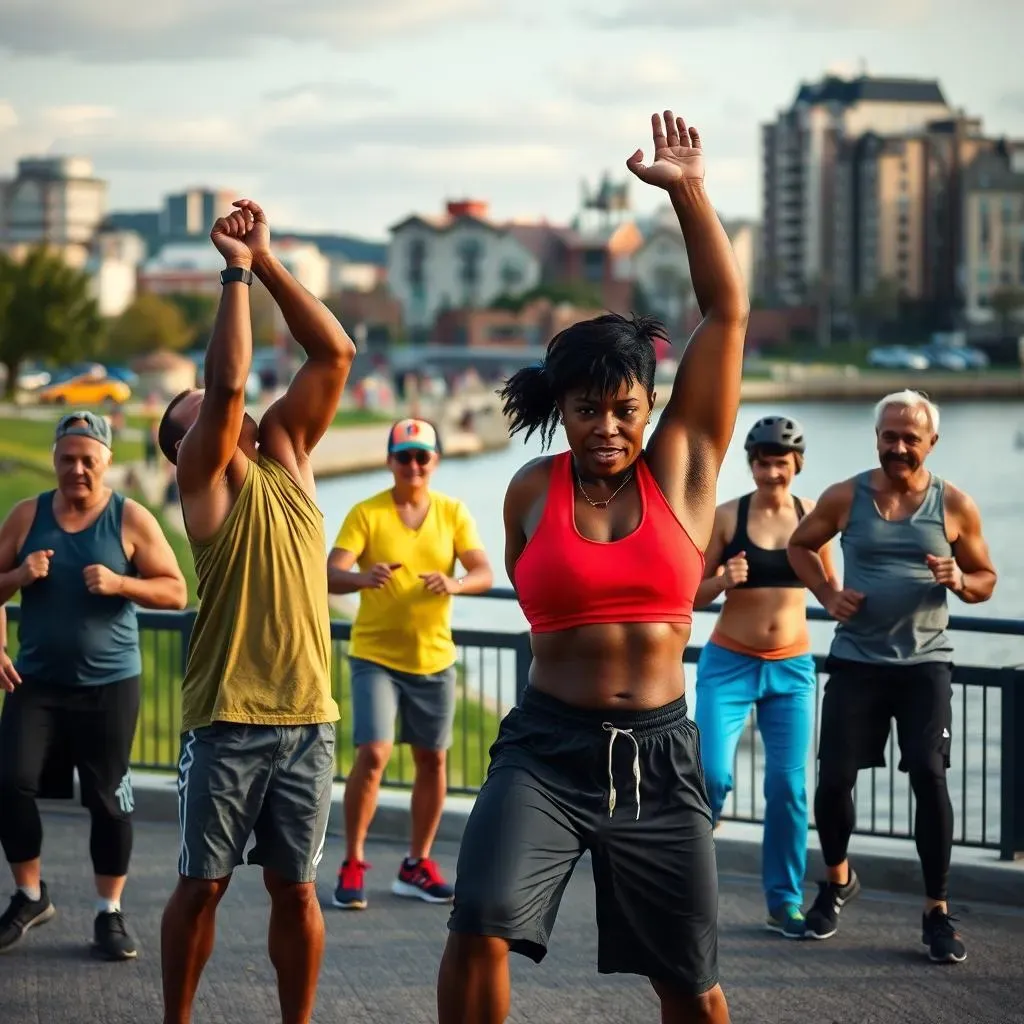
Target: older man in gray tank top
point(908, 537)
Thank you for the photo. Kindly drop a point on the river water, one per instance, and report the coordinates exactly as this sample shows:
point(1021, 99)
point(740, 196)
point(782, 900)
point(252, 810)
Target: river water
point(976, 451)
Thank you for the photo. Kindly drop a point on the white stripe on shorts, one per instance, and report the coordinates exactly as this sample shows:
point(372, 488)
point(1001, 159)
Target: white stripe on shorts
point(184, 766)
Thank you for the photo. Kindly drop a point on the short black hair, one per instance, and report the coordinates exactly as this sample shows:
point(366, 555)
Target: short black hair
point(170, 432)
point(602, 353)
point(774, 451)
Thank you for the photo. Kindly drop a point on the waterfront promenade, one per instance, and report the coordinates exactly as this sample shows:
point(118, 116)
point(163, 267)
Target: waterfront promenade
point(380, 966)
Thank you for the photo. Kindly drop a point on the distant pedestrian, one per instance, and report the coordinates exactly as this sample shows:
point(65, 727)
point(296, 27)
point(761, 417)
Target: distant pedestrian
point(908, 538)
point(398, 549)
point(83, 556)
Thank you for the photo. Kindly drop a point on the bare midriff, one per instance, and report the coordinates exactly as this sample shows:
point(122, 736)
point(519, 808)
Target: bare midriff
point(634, 666)
point(769, 622)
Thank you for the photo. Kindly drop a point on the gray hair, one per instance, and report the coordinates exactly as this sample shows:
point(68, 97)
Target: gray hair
point(908, 399)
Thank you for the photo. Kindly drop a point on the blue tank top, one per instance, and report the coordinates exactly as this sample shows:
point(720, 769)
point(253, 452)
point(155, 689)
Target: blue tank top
point(66, 635)
point(904, 615)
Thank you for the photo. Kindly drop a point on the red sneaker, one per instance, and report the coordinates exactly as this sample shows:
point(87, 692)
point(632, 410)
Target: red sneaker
point(349, 894)
point(422, 879)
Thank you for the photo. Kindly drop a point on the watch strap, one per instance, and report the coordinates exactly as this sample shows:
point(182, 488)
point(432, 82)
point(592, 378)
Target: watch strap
point(231, 274)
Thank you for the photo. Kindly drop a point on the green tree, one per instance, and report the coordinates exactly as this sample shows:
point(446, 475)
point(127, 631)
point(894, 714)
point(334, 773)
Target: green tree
point(199, 310)
point(46, 312)
point(575, 292)
point(1006, 303)
point(148, 324)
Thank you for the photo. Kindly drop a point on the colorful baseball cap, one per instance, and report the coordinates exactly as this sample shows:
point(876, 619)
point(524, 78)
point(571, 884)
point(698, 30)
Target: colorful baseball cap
point(84, 424)
point(406, 434)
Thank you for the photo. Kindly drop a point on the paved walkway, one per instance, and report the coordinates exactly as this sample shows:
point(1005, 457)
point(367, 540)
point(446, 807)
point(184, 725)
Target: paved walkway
point(380, 965)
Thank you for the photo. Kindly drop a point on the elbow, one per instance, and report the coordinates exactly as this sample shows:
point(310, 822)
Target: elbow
point(180, 596)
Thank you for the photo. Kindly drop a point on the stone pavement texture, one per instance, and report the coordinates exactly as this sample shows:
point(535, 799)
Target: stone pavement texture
point(380, 965)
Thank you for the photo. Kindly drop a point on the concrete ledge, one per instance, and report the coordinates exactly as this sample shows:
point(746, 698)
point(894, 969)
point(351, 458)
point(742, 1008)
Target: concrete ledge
point(883, 864)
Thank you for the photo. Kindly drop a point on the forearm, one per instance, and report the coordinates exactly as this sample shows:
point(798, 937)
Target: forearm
point(808, 566)
point(229, 354)
point(344, 581)
point(709, 591)
point(310, 322)
point(714, 271)
point(10, 584)
point(167, 593)
point(976, 587)
point(476, 581)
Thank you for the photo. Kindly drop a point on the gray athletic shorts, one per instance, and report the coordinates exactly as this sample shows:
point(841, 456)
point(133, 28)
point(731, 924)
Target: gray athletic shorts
point(273, 782)
point(424, 704)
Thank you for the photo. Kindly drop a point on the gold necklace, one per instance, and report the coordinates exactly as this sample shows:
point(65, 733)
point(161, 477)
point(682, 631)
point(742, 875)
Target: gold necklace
point(607, 501)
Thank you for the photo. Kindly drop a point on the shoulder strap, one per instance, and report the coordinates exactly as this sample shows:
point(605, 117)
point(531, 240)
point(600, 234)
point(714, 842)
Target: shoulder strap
point(740, 536)
point(799, 506)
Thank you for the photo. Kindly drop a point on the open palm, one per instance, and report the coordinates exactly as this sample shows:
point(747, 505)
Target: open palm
point(678, 155)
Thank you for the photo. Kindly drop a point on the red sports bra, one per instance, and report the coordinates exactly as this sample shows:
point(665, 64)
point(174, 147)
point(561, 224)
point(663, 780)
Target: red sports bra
point(563, 579)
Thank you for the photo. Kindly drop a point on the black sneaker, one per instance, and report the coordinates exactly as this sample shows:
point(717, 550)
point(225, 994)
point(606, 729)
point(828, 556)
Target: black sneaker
point(22, 914)
point(111, 940)
point(941, 938)
point(822, 921)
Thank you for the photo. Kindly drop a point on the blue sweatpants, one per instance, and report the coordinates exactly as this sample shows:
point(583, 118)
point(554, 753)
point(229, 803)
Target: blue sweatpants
point(728, 684)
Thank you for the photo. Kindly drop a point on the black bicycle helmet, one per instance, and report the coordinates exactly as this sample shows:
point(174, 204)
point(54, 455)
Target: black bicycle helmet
point(778, 431)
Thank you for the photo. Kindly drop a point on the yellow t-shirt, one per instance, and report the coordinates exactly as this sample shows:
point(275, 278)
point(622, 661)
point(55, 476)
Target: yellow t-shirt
point(403, 625)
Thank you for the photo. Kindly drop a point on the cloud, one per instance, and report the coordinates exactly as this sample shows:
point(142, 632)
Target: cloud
point(1012, 101)
point(700, 14)
point(656, 79)
point(128, 31)
point(330, 92)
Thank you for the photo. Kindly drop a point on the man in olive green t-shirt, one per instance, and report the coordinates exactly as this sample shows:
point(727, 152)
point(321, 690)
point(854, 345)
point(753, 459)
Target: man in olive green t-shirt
point(257, 750)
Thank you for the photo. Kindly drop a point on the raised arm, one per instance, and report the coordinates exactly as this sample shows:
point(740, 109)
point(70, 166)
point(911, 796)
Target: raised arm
point(302, 415)
point(693, 433)
point(209, 446)
point(970, 573)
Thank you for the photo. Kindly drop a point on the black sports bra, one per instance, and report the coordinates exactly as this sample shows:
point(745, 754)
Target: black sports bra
point(765, 568)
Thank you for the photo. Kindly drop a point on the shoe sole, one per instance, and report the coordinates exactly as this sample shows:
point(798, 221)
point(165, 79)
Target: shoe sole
point(112, 957)
point(400, 888)
point(350, 905)
point(40, 918)
point(820, 936)
point(786, 935)
point(949, 958)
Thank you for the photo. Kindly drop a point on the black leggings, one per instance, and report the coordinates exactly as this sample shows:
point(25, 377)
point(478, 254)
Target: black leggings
point(45, 732)
point(859, 704)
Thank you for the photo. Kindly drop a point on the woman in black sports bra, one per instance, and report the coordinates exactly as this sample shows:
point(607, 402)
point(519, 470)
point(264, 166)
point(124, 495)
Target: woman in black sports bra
point(760, 654)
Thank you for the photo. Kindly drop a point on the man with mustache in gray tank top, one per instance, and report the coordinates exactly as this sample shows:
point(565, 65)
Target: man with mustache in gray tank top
point(907, 537)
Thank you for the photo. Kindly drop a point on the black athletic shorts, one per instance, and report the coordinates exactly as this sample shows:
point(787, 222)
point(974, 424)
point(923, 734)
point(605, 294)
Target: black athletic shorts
point(861, 700)
point(564, 780)
point(46, 731)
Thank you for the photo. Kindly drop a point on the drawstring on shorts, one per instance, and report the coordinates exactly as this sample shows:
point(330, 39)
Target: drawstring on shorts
point(615, 734)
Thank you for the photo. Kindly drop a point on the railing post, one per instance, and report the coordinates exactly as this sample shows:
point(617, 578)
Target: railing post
point(1011, 791)
point(524, 658)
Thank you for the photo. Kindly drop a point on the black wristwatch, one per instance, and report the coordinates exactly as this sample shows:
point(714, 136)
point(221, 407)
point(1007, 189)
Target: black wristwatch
point(229, 274)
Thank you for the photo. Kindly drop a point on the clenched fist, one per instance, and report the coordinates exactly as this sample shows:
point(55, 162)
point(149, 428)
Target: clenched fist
point(842, 605)
point(380, 575)
point(9, 677)
point(101, 580)
point(36, 567)
point(438, 583)
point(946, 572)
point(735, 571)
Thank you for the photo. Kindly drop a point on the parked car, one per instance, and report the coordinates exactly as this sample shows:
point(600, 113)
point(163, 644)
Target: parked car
point(898, 357)
point(85, 390)
point(942, 358)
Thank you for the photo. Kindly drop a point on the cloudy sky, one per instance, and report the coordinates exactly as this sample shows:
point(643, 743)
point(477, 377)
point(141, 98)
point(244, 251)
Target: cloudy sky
point(345, 116)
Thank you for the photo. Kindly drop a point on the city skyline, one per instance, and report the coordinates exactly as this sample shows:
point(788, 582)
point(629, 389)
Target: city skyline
point(344, 120)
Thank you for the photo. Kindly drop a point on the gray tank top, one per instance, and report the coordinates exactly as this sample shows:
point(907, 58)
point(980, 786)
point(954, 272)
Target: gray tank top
point(904, 615)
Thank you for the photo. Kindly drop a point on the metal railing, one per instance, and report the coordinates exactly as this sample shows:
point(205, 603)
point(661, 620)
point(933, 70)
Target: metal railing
point(986, 777)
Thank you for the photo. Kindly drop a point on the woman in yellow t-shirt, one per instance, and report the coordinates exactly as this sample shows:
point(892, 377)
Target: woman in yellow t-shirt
point(398, 549)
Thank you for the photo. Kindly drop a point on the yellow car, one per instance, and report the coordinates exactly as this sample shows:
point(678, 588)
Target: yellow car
point(85, 390)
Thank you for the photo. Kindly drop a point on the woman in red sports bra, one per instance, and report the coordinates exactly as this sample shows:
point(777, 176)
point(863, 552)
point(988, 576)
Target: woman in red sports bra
point(603, 545)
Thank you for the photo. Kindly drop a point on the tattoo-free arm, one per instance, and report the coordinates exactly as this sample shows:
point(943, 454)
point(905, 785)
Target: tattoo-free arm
point(160, 583)
point(813, 534)
point(307, 408)
point(971, 553)
point(479, 576)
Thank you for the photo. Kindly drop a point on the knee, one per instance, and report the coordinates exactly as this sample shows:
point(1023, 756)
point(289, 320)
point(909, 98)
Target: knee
point(707, 1007)
point(429, 762)
point(199, 895)
point(295, 896)
point(927, 776)
point(373, 757)
point(787, 787)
